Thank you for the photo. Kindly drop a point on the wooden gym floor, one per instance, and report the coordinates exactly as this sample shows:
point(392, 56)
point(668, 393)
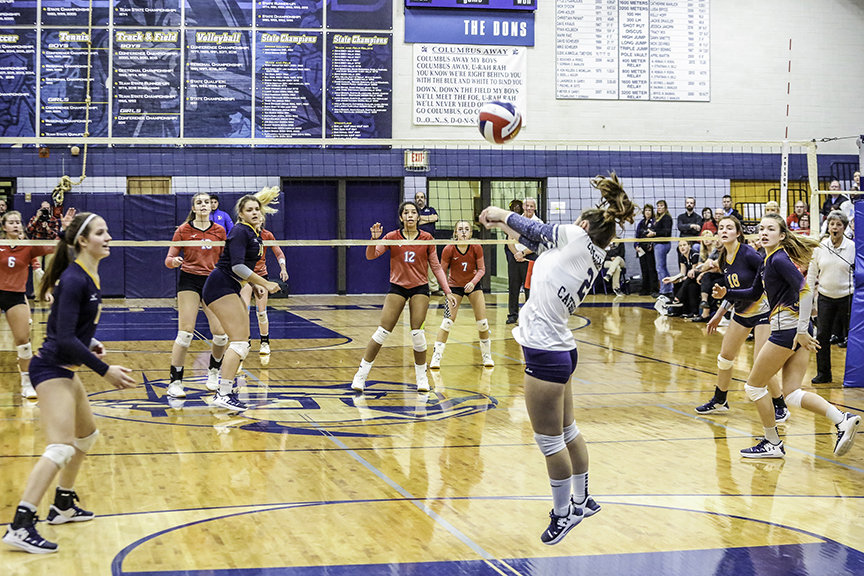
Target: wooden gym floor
point(315, 480)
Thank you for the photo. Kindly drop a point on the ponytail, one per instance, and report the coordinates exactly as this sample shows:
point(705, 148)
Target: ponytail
point(614, 208)
point(799, 248)
point(65, 251)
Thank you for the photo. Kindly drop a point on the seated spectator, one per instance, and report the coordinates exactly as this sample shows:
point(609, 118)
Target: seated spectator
point(685, 301)
point(613, 265)
point(707, 274)
point(728, 210)
point(689, 223)
point(792, 219)
point(708, 221)
point(856, 181)
point(833, 200)
point(804, 225)
point(772, 207)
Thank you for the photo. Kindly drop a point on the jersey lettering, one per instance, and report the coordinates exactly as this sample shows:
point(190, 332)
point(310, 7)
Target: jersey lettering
point(733, 281)
point(583, 290)
point(567, 299)
point(464, 266)
point(206, 247)
point(409, 256)
point(11, 261)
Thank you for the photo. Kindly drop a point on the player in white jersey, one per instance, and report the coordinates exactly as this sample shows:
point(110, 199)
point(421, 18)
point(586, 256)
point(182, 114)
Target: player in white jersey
point(571, 258)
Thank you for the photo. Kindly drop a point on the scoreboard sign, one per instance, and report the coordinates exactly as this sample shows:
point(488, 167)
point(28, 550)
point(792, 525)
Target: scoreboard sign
point(476, 4)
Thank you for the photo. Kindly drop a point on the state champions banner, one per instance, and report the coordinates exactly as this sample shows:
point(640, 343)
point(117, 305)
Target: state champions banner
point(452, 82)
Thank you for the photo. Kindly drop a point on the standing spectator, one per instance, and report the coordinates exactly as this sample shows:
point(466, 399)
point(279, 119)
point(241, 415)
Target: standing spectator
point(708, 221)
point(793, 219)
point(645, 251)
point(663, 229)
point(3, 207)
point(834, 200)
point(832, 266)
point(218, 216)
point(517, 269)
point(530, 206)
point(43, 225)
point(428, 218)
point(689, 223)
point(848, 208)
point(728, 210)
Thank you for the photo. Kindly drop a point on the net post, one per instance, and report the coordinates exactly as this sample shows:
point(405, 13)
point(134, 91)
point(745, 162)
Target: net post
point(813, 179)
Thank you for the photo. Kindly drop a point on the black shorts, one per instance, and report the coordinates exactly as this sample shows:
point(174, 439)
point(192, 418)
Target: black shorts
point(457, 291)
point(11, 299)
point(191, 283)
point(407, 293)
point(40, 371)
point(752, 321)
point(219, 284)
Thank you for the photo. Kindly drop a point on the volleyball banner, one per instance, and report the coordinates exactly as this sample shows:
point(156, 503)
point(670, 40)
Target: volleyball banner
point(855, 344)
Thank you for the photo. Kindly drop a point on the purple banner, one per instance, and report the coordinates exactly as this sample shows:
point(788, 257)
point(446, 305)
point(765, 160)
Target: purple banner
point(17, 82)
point(17, 12)
point(288, 13)
point(490, 4)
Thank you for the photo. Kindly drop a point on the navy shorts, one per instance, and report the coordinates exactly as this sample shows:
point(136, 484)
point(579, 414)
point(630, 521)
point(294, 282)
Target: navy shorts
point(752, 321)
point(786, 338)
point(191, 283)
point(407, 293)
point(550, 366)
point(218, 285)
point(40, 371)
point(11, 299)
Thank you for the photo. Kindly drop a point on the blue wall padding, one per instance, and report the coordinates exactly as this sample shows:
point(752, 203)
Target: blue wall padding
point(855, 347)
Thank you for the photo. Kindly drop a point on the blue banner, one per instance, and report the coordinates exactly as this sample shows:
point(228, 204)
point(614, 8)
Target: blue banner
point(18, 13)
point(289, 13)
point(218, 84)
point(289, 84)
point(146, 83)
point(18, 83)
point(359, 85)
point(219, 13)
point(360, 14)
point(152, 13)
point(461, 27)
point(489, 4)
point(74, 12)
point(64, 79)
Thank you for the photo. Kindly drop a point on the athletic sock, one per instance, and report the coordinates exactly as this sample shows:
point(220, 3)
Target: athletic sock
point(560, 496)
point(226, 386)
point(365, 367)
point(580, 487)
point(772, 436)
point(438, 347)
point(486, 346)
point(835, 415)
point(720, 395)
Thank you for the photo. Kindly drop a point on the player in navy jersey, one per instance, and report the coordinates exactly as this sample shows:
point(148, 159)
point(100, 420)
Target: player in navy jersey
point(221, 293)
point(69, 424)
point(466, 266)
point(739, 264)
point(571, 257)
point(790, 298)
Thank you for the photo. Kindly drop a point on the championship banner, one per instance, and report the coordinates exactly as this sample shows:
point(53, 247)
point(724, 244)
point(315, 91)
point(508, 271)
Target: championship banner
point(17, 12)
point(452, 82)
point(475, 4)
point(219, 13)
point(137, 14)
point(74, 13)
point(360, 14)
point(17, 83)
point(288, 13)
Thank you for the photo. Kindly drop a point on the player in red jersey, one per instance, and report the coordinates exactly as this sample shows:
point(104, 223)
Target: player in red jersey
point(15, 262)
point(408, 281)
point(466, 266)
point(195, 265)
point(261, 298)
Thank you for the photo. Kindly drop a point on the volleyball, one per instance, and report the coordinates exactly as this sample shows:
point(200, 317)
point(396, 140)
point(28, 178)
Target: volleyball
point(499, 122)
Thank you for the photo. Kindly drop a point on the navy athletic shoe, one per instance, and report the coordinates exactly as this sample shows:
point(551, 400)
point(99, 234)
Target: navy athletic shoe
point(559, 526)
point(712, 406)
point(765, 449)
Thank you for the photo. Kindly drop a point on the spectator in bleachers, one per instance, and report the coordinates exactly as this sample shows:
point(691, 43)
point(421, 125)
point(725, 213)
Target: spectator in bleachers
point(856, 181)
point(708, 255)
point(428, 218)
point(686, 299)
point(3, 207)
point(613, 265)
point(728, 210)
point(645, 252)
point(663, 228)
point(689, 223)
point(708, 221)
point(220, 216)
point(792, 219)
point(833, 200)
point(772, 207)
point(43, 225)
point(848, 208)
point(831, 267)
point(804, 224)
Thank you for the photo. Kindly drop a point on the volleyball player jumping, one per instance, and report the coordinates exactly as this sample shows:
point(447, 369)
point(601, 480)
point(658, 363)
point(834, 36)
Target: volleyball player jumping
point(571, 258)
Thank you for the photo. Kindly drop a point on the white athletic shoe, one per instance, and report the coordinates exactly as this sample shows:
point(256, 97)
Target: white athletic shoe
point(265, 349)
point(213, 379)
point(435, 362)
point(175, 389)
point(229, 402)
point(487, 361)
point(846, 433)
point(28, 392)
point(359, 382)
point(423, 383)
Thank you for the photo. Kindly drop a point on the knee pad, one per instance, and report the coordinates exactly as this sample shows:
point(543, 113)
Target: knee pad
point(755, 393)
point(418, 339)
point(241, 348)
point(262, 316)
point(570, 432)
point(183, 339)
point(550, 445)
point(380, 335)
point(86, 443)
point(724, 364)
point(446, 324)
point(220, 340)
point(483, 325)
point(60, 454)
point(794, 399)
point(25, 351)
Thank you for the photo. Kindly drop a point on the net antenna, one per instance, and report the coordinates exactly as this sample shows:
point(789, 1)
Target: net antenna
point(417, 160)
